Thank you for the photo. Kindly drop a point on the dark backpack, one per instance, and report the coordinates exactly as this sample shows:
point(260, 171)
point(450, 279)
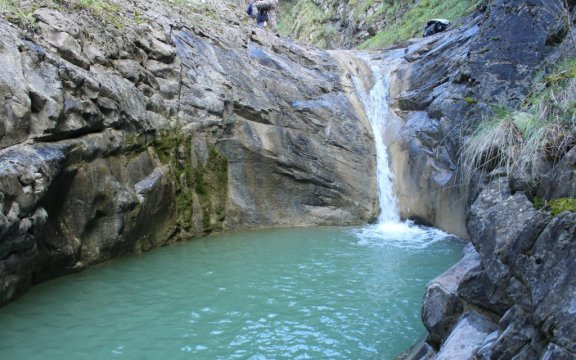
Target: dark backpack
point(262, 15)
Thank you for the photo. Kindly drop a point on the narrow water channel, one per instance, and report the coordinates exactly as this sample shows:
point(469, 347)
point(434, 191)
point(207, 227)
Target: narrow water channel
point(318, 293)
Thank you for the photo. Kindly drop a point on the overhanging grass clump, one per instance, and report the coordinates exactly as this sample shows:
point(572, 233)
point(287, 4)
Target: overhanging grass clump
point(543, 130)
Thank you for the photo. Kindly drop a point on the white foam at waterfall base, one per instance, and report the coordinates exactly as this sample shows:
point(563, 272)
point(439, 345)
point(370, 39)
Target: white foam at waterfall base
point(400, 233)
point(389, 230)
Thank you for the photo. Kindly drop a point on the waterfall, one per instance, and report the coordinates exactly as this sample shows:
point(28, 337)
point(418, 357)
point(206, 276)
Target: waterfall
point(378, 114)
point(389, 228)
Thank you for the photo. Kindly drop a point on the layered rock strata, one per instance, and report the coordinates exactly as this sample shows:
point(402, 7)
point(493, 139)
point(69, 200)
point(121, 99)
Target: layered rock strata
point(138, 126)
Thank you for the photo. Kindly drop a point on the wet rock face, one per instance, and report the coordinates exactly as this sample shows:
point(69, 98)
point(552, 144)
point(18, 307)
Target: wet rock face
point(442, 304)
point(118, 139)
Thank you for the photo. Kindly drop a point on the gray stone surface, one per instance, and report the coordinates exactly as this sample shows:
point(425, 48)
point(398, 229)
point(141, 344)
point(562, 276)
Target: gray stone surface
point(524, 277)
point(466, 338)
point(118, 139)
point(441, 306)
point(560, 182)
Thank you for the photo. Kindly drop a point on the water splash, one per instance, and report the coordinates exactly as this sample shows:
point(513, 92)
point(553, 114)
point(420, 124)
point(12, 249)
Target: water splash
point(389, 228)
point(403, 234)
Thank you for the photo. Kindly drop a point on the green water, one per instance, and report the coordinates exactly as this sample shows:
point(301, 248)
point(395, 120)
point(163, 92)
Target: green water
point(319, 293)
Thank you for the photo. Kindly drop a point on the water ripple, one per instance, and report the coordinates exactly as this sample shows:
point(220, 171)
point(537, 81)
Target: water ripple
point(283, 294)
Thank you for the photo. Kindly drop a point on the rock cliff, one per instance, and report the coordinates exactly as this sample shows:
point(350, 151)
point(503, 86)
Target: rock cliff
point(129, 126)
point(512, 294)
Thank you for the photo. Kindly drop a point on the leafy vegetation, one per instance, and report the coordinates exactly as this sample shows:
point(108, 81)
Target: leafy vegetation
point(542, 130)
point(304, 20)
point(411, 22)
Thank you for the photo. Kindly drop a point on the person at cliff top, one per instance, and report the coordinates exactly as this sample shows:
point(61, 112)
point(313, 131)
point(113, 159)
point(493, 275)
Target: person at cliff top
point(260, 15)
point(266, 12)
point(262, 18)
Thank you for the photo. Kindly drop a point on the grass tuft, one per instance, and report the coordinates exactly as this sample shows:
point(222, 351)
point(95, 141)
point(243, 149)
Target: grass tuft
point(105, 10)
point(18, 13)
point(542, 130)
point(494, 144)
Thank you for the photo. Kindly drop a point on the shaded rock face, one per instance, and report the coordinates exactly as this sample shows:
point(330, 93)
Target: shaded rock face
point(522, 280)
point(447, 83)
point(119, 139)
point(521, 284)
point(443, 305)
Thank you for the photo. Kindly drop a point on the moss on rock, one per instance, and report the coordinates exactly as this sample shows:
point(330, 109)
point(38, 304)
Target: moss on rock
point(558, 206)
point(201, 190)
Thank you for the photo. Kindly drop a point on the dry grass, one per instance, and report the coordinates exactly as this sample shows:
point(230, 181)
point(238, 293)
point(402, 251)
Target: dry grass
point(543, 130)
point(494, 144)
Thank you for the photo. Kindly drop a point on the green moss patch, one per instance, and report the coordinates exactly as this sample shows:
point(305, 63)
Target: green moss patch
point(560, 205)
point(212, 188)
point(203, 185)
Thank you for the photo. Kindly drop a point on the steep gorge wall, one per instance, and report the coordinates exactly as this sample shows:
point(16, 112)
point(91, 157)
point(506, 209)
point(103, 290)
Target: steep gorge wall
point(512, 295)
point(449, 83)
point(120, 136)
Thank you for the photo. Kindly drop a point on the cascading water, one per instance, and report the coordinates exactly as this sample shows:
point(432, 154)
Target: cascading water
point(389, 227)
point(378, 112)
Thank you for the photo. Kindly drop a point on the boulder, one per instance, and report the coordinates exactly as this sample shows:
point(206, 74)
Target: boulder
point(467, 337)
point(500, 224)
point(560, 182)
point(441, 306)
